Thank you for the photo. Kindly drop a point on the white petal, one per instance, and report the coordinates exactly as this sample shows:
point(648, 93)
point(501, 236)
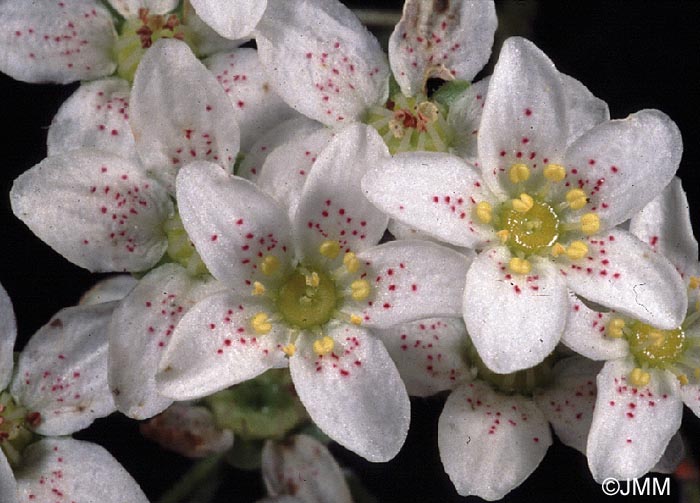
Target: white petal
point(664, 224)
point(76, 470)
point(691, 397)
point(514, 320)
point(232, 224)
point(490, 443)
point(110, 289)
point(62, 371)
point(179, 113)
point(286, 169)
point(524, 118)
point(411, 280)
point(97, 210)
point(8, 335)
point(622, 273)
point(450, 40)
point(341, 394)
point(206, 40)
point(230, 19)
point(130, 8)
point(304, 467)
point(214, 346)
point(256, 106)
point(623, 164)
point(140, 329)
point(321, 60)
point(95, 116)
point(428, 353)
point(332, 206)
point(465, 118)
point(672, 457)
point(583, 109)
point(631, 426)
point(8, 485)
point(435, 193)
point(56, 41)
point(585, 332)
point(568, 401)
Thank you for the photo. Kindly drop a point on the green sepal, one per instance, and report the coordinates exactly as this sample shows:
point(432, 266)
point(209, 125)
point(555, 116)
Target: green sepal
point(450, 91)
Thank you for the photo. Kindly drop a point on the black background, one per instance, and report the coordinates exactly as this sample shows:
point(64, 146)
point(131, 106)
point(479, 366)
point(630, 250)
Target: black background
point(633, 55)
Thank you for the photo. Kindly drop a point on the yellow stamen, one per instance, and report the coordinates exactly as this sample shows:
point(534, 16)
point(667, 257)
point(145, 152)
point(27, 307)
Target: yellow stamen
point(312, 279)
point(329, 249)
point(577, 250)
point(258, 289)
point(554, 172)
point(683, 379)
point(590, 223)
point(323, 346)
point(351, 262)
point(360, 289)
point(519, 265)
point(428, 110)
point(519, 173)
point(694, 282)
point(261, 323)
point(524, 204)
point(270, 264)
point(289, 349)
point(615, 327)
point(355, 319)
point(503, 235)
point(396, 128)
point(638, 377)
point(576, 198)
point(484, 212)
point(557, 249)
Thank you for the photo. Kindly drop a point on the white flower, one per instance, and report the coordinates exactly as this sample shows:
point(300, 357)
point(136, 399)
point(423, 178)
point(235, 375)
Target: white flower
point(308, 292)
point(541, 211)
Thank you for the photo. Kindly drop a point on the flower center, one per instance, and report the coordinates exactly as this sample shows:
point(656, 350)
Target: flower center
point(14, 432)
point(307, 298)
point(531, 231)
point(180, 248)
point(654, 347)
point(138, 34)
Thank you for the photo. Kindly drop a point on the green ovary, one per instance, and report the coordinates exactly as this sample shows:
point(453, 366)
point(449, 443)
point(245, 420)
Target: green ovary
point(307, 299)
point(533, 231)
point(654, 347)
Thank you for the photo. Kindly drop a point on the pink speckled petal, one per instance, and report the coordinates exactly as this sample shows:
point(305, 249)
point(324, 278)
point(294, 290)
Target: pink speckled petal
point(331, 206)
point(57, 41)
point(410, 280)
point(230, 19)
point(95, 116)
point(490, 443)
point(130, 8)
point(179, 113)
point(524, 118)
point(233, 225)
point(77, 470)
point(583, 109)
point(428, 354)
point(450, 41)
point(623, 164)
point(622, 273)
point(256, 106)
point(631, 426)
point(8, 485)
point(8, 335)
point(99, 211)
point(585, 332)
point(321, 60)
point(140, 330)
point(514, 320)
point(62, 371)
point(341, 394)
point(433, 192)
point(214, 346)
point(303, 466)
point(568, 401)
point(107, 290)
point(664, 224)
point(465, 118)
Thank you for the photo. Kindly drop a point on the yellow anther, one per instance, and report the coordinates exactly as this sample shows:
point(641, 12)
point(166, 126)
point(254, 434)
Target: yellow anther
point(519, 266)
point(615, 327)
point(524, 203)
point(554, 172)
point(590, 223)
point(577, 250)
point(289, 349)
point(519, 173)
point(503, 235)
point(428, 110)
point(696, 372)
point(323, 346)
point(557, 249)
point(683, 379)
point(312, 280)
point(329, 249)
point(694, 282)
point(355, 319)
point(360, 289)
point(351, 262)
point(261, 323)
point(396, 128)
point(258, 289)
point(638, 377)
point(576, 198)
point(484, 212)
point(269, 264)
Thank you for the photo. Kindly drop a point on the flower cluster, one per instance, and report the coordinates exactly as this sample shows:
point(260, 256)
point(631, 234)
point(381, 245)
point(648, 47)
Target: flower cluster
point(313, 232)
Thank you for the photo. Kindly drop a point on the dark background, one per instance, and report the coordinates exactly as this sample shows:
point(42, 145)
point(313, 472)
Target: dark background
point(632, 54)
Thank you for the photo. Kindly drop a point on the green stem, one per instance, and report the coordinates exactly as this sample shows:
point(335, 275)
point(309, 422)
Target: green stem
point(190, 481)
